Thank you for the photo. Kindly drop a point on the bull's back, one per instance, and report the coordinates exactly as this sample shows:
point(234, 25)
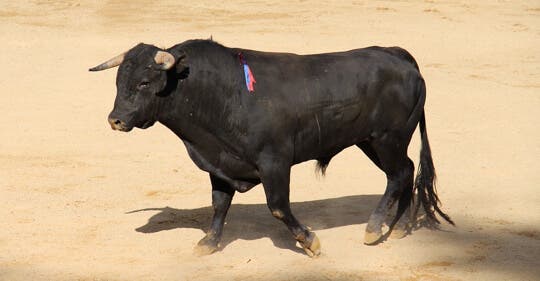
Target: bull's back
point(327, 102)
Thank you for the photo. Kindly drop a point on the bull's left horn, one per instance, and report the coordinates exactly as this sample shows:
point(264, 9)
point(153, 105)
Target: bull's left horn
point(165, 59)
point(116, 61)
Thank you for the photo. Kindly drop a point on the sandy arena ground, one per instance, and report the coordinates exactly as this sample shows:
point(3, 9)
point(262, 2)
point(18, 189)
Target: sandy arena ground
point(82, 202)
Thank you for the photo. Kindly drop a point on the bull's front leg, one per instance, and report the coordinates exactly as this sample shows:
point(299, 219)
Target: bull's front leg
point(275, 178)
point(222, 194)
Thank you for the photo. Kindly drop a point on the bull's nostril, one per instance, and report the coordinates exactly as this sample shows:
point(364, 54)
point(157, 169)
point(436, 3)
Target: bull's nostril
point(115, 123)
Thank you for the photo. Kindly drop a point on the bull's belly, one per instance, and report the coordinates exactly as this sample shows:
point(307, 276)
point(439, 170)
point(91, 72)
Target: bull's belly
point(327, 133)
point(312, 149)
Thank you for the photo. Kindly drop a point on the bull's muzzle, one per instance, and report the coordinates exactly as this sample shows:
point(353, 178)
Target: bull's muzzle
point(119, 125)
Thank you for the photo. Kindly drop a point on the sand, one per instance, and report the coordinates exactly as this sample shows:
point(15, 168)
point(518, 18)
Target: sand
point(82, 202)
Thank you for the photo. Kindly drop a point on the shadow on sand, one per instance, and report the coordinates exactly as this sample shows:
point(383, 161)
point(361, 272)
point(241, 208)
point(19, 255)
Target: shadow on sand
point(253, 221)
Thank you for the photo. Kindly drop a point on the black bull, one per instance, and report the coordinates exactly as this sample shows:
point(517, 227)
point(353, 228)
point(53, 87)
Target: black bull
point(303, 107)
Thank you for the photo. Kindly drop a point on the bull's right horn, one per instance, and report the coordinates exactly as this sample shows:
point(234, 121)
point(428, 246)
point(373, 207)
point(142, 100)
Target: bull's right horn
point(116, 61)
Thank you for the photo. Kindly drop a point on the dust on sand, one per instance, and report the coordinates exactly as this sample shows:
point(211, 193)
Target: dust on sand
point(68, 183)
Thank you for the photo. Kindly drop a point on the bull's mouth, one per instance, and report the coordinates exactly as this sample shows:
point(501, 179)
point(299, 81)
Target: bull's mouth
point(119, 125)
point(123, 129)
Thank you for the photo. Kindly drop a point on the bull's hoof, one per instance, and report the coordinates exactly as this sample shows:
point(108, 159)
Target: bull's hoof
point(313, 250)
point(205, 247)
point(372, 238)
point(204, 250)
point(398, 233)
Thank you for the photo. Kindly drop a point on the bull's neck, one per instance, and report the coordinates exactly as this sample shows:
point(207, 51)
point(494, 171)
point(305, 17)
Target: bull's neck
point(200, 104)
point(195, 106)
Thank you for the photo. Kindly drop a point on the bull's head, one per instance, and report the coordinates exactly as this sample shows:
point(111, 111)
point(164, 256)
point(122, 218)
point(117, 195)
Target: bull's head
point(141, 77)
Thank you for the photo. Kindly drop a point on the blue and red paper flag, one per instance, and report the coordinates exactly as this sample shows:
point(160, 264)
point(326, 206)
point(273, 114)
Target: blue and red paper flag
point(250, 79)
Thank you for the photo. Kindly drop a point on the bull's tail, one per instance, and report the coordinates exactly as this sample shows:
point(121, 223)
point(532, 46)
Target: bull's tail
point(425, 183)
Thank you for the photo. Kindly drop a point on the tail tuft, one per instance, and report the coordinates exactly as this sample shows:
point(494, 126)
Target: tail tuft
point(424, 184)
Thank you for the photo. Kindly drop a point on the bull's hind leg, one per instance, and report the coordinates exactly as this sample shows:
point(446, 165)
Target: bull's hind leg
point(401, 224)
point(390, 155)
point(222, 194)
point(275, 179)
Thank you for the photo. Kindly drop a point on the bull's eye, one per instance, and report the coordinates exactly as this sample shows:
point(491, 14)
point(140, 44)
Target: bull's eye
point(143, 85)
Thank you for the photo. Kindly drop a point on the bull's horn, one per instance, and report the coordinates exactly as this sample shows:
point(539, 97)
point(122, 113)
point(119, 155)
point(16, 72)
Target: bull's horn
point(165, 59)
point(116, 61)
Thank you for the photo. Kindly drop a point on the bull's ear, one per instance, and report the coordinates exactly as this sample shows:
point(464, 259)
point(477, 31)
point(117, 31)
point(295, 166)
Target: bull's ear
point(182, 66)
point(178, 72)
